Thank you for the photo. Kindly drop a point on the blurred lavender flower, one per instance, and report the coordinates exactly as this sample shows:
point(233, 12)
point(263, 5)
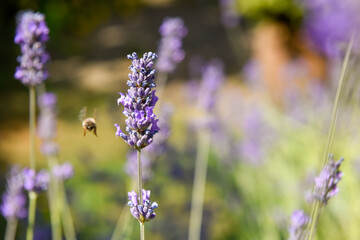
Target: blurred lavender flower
point(172, 31)
point(329, 24)
point(326, 182)
point(299, 220)
point(212, 78)
point(63, 171)
point(32, 34)
point(145, 212)
point(47, 123)
point(153, 151)
point(229, 16)
point(36, 182)
point(139, 103)
point(14, 200)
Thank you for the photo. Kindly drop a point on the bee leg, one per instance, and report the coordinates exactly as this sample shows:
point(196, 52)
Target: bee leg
point(84, 131)
point(95, 132)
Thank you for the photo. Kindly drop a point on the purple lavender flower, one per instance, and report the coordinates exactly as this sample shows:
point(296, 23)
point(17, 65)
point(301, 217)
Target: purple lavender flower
point(299, 220)
point(14, 200)
point(329, 24)
point(63, 171)
point(32, 34)
point(326, 182)
point(142, 212)
point(171, 53)
point(229, 16)
point(47, 123)
point(36, 182)
point(212, 79)
point(139, 103)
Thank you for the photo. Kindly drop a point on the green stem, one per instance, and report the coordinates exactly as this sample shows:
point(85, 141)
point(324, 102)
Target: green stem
point(10, 231)
point(317, 206)
point(142, 230)
point(54, 212)
point(65, 213)
point(53, 198)
point(32, 122)
point(198, 192)
point(31, 223)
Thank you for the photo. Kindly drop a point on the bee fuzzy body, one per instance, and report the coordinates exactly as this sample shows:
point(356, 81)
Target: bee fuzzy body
point(89, 124)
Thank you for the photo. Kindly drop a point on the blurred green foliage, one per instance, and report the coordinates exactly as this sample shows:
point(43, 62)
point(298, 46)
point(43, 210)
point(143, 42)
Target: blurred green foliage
point(286, 11)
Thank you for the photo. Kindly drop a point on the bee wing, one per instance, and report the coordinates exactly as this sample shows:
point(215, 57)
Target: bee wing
point(94, 114)
point(82, 114)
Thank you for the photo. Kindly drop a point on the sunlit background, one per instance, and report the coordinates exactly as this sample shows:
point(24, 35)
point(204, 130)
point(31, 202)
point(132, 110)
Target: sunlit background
point(282, 62)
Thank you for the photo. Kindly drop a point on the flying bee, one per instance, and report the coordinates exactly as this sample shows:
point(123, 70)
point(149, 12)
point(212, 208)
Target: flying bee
point(88, 124)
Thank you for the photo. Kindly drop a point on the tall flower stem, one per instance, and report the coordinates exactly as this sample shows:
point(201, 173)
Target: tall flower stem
point(197, 201)
point(31, 218)
point(11, 229)
point(32, 195)
point(65, 213)
point(142, 227)
point(32, 126)
point(317, 205)
point(54, 209)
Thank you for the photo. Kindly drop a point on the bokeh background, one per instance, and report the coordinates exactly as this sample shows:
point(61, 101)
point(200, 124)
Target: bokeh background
point(281, 68)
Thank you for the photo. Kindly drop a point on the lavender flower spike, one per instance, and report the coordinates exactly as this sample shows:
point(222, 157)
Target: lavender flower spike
point(326, 182)
point(142, 212)
point(139, 103)
point(299, 220)
point(36, 182)
point(172, 31)
point(47, 123)
point(31, 34)
point(14, 200)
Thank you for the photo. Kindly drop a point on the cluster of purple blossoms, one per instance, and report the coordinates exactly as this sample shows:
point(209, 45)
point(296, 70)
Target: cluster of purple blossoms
point(63, 171)
point(145, 212)
point(326, 182)
point(329, 24)
point(36, 182)
point(14, 200)
point(299, 221)
point(172, 31)
point(212, 79)
point(139, 103)
point(47, 123)
point(155, 150)
point(32, 34)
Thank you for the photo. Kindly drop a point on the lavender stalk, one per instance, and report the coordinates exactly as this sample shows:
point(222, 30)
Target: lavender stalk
point(197, 201)
point(317, 205)
point(141, 122)
point(13, 202)
point(172, 31)
point(31, 35)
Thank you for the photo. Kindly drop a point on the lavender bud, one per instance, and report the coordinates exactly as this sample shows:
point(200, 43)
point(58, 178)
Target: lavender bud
point(299, 220)
point(36, 182)
point(139, 103)
point(326, 182)
point(13, 199)
point(143, 213)
point(171, 53)
point(32, 34)
point(64, 171)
